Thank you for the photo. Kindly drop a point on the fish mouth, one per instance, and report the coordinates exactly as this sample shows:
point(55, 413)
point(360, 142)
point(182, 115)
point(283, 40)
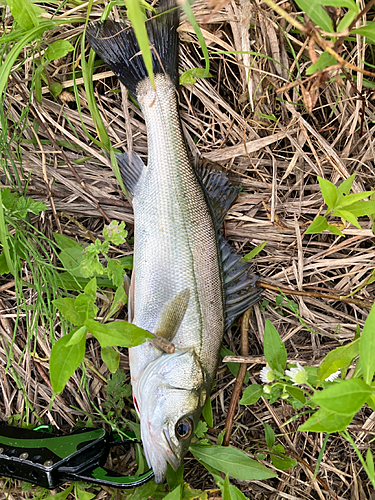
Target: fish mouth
point(159, 452)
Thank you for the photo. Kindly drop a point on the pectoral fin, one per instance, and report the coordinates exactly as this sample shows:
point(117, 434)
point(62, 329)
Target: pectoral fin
point(172, 315)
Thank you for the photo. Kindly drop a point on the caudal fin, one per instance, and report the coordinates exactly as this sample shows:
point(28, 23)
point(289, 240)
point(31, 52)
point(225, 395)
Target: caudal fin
point(117, 45)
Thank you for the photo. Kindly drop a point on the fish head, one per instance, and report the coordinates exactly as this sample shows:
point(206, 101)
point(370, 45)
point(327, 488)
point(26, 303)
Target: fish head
point(170, 396)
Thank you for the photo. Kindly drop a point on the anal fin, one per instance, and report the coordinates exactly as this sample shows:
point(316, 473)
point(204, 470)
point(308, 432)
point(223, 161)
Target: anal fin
point(131, 167)
point(240, 286)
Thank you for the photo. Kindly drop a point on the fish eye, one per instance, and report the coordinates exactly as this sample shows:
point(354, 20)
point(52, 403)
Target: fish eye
point(184, 428)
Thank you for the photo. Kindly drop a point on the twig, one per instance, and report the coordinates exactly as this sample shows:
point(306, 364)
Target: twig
point(240, 377)
point(341, 298)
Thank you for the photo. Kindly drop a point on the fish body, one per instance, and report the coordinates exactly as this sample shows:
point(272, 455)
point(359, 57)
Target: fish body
point(187, 283)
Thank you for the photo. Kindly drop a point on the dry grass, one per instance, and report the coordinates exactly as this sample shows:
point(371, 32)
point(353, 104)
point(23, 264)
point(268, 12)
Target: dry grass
point(277, 161)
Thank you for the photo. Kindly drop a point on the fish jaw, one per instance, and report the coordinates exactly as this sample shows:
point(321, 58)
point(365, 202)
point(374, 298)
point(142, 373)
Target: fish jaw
point(172, 388)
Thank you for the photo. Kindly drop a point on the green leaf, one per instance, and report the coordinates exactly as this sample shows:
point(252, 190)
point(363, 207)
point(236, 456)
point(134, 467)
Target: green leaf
point(368, 31)
point(316, 13)
point(361, 208)
point(232, 367)
point(231, 461)
point(370, 464)
point(117, 334)
point(254, 251)
point(24, 13)
point(349, 199)
point(207, 412)
point(283, 462)
point(270, 435)
point(126, 262)
point(64, 242)
point(67, 308)
point(274, 348)
point(224, 487)
point(340, 357)
point(78, 334)
point(326, 421)
point(367, 347)
point(325, 60)
point(119, 300)
point(115, 232)
point(345, 398)
point(335, 230)
point(348, 216)
point(345, 186)
point(111, 358)
point(82, 494)
point(115, 271)
point(349, 4)
point(56, 88)
point(61, 495)
point(296, 393)
point(346, 21)
point(65, 360)
point(85, 307)
point(58, 49)
point(329, 192)
point(319, 225)
point(4, 269)
point(251, 394)
point(201, 429)
point(137, 18)
point(235, 493)
point(71, 259)
point(190, 76)
point(175, 494)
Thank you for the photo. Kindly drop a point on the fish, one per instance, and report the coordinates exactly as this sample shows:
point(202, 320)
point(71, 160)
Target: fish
point(188, 285)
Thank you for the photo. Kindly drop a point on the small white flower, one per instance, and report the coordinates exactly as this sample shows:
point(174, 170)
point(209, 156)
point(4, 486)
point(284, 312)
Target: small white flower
point(333, 376)
point(298, 375)
point(267, 375)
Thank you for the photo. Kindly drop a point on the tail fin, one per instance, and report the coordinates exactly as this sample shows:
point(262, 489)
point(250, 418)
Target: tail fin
point(117, 45)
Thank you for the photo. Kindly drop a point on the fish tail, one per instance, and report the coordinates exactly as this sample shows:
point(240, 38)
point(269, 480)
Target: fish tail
point(117, 46)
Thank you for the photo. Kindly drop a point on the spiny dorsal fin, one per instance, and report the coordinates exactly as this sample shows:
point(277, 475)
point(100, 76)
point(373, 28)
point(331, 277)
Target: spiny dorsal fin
point(131, 167)
point(172, 315)
point(220, 192)
point(240, 288)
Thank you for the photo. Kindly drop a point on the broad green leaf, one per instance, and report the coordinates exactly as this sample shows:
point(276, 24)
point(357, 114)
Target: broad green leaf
point(349, 4)
point(233, 367)
point(361, 208)
point(64, 242)
point(274, 348)
point(207, 412)
point(119, 300)
point(117, 333)
point(85, 306)
point(338, 358)
point(367, 347)
point(235, 493)
point(90, 289)
point(334, 229)
point(345, 186)
point(67, 308)
point(371, 402)
point(329, 192)
point(231, 461)
point(201, 429)
point(296, 393)
point(325, 60)
point(270, 435)
point(111, 358)
point(349, 199)
point(282, 462)
point(175, 494)
point(137, 18)
point(126, 262)
point(81, 493)
point(71, 259)
point(319, 225)
point(368, 31)
point(78, 334)
point(251, 394)
point(58, 49)
point(326, 421)
point(254, 252)
point(24, 13)
point(345, 398)
point(348, 216)
point(56, 88)
point(175, 478)
point(316, 13)
point(65, 360)
point(346, 21)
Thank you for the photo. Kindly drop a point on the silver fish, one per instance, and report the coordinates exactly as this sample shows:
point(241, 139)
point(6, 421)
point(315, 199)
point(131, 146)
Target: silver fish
point(187, 284)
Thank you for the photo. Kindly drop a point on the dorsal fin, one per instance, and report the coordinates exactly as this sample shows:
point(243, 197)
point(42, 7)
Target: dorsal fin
point(220, 192)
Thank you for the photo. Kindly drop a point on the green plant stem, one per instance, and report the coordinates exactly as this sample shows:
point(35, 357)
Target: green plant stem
point(347, 436)
point(4, 235)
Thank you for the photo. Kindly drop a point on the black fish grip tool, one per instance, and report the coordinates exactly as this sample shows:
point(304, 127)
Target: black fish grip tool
point(48, 459)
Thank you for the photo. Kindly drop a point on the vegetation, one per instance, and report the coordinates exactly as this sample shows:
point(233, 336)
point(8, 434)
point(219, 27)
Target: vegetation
point(282, 98)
